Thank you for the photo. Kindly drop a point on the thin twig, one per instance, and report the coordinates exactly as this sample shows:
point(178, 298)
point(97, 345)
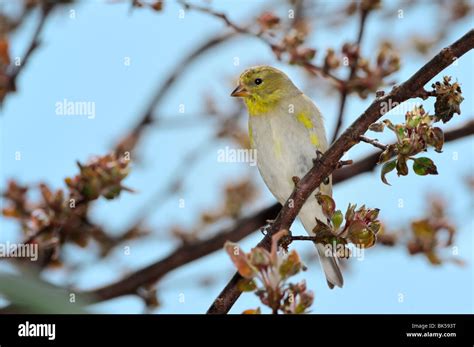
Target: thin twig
point(373, 142)
point(304, 238)
point(46, 9)
point(275, 47)
point(344, 91)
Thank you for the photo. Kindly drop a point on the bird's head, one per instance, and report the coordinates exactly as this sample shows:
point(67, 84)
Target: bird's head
point(263, 87)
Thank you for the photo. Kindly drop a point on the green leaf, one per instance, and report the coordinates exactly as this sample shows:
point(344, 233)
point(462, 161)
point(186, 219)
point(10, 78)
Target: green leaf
point(424, 166)
point(246, 285)
point(360, 235)
point(336, 219)
point(386, 168)
point(400, 132)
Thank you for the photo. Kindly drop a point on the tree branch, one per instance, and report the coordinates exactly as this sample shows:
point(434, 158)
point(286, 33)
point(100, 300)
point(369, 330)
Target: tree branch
point(46, 9)
point(328, 162)
point(183, 255)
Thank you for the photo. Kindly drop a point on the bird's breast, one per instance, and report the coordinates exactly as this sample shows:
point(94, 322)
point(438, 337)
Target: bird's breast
point(284, 150)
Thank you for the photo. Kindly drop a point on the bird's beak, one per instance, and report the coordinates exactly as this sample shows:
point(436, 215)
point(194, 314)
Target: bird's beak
point(240, 91)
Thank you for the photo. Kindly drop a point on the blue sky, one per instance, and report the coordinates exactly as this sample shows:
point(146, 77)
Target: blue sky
point(83, 59)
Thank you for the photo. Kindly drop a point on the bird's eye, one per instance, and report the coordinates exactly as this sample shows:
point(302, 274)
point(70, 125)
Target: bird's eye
point(258, 81)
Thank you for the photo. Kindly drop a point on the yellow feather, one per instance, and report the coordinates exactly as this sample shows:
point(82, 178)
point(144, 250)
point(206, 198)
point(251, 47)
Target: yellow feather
point(252, 144)
point(305, 120)
point(257, 106)
point(277, 147)
point(314, 139)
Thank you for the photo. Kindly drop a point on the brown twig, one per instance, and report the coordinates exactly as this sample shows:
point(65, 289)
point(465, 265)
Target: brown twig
point(373, 142)
point(424, 94)
point(347, 140)
point(304, 238)
point(275, 47)
point(183, 255)
point(344, 91)
point(46, 9)
point(217, 14)
point(342, 163)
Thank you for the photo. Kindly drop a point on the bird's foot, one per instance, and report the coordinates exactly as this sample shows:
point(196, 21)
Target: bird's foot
point(319, 154)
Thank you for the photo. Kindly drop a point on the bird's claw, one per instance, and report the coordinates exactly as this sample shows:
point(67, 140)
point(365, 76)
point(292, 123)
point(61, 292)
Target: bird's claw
point(319, 154)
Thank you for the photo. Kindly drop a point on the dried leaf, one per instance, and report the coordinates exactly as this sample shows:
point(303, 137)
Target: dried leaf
point(436, 139)
point(377, 127)
point(402, 167)
point(252, 311)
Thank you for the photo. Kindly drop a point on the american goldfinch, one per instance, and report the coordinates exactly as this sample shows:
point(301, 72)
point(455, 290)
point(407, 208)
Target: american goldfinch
point(286, 129)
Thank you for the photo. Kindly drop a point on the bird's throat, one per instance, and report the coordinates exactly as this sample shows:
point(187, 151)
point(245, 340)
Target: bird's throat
point(259, 107)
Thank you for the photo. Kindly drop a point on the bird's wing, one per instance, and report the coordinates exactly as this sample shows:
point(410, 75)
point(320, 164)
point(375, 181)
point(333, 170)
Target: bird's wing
point(310, 122)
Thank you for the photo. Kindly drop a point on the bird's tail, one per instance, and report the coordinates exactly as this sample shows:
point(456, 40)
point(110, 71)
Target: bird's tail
point(308, 214)
point(331, 267)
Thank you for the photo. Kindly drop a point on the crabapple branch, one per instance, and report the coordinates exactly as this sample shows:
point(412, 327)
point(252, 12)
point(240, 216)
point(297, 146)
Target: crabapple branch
point(328, 162)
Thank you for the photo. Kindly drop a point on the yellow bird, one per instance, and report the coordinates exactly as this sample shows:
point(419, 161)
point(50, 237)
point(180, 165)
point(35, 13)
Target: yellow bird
point(286, 129)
